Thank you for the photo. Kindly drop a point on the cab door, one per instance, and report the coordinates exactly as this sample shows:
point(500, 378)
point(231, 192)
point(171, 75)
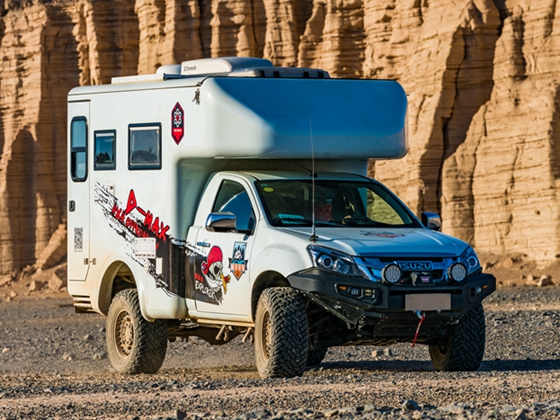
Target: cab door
point(78, 191)
point(221, 274)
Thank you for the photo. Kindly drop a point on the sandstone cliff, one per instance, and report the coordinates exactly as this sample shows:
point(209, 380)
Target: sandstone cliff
point(482, 77)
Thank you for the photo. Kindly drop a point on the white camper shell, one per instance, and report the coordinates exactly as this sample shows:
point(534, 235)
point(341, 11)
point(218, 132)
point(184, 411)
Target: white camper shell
point(170, 204)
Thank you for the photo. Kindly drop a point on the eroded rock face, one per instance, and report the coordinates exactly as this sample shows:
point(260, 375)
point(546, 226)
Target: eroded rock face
point(482, 78)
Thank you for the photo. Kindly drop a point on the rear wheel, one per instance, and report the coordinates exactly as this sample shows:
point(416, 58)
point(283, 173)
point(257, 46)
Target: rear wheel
point(281, 333)
point(134, 345)
point(463, 346)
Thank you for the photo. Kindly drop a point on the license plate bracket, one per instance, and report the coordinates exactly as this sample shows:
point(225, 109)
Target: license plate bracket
point(427, 302)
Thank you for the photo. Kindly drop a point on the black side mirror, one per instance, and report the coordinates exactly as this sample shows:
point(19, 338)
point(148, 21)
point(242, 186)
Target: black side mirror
point(431, 220)
point(221, 222)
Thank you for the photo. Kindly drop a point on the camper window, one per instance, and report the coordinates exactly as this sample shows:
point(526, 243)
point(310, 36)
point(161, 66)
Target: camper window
point(78, 149)
point(104, 150)
point(144, 146)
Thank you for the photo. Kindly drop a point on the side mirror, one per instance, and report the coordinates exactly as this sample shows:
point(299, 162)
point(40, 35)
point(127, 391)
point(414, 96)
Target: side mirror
point(220, 222)
point(431, 220)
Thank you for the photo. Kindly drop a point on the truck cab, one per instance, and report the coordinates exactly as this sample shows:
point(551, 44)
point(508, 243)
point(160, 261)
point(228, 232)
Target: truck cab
point(227, 197)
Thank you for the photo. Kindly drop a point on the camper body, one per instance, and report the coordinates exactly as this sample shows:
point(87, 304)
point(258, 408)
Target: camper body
point(224, 196)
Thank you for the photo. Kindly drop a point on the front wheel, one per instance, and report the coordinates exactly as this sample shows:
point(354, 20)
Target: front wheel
point(281, 333)
point(134, 345)
point(462, 348)
point(316, 356)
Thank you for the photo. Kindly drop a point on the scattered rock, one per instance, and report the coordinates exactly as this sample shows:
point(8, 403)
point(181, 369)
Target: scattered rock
point(331, 413)
point(387, 352)
point(67, 357)
point(181, 415)
point(507, 263)
point(452, 409)
point(376, 353)
point(5, 350)
point(88, 337)
point(100, 355)
point(35, 286)
point(6, 280)
point(55, 283)
point(520, 414)
point(544, 281)
point(12, 294)
point(410, 405)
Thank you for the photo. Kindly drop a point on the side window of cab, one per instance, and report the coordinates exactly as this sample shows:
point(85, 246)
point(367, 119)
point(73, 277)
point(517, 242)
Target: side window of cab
point(232, 197)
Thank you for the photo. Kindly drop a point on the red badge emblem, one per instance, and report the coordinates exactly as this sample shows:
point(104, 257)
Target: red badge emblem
point(177, 123)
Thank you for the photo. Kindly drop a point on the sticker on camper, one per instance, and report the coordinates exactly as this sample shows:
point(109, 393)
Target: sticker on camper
point(78, 239)
point(177, 123)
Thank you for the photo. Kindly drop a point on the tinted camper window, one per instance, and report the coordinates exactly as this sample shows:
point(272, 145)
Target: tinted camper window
point(144, 146)
point(104, 150)
point(78, 149)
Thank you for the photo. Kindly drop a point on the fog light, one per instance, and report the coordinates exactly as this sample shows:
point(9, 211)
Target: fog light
point(354, 291)
point(457, 272)
point(391, 273)
point(368, 292)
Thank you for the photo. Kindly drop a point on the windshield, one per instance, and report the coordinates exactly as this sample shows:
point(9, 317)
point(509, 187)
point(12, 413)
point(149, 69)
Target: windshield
point(337, 203)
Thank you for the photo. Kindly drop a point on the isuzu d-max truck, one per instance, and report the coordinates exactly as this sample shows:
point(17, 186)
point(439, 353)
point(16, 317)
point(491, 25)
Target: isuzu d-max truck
point(227, 197)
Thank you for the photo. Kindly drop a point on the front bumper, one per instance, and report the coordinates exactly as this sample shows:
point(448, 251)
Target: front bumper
point(379, 311)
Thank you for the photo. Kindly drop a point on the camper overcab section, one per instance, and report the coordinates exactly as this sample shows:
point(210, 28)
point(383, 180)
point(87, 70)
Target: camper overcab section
point(213, 196)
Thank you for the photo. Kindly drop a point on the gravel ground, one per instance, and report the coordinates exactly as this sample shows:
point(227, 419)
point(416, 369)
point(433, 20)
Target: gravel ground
point(53, 364)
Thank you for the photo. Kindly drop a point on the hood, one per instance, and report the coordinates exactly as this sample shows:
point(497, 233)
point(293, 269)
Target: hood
point(373, 242)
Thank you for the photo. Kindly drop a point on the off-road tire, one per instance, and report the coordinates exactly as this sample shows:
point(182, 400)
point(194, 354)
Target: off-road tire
point(134, 345)
point(462, 349)
point(281, 333)
point(316, 356)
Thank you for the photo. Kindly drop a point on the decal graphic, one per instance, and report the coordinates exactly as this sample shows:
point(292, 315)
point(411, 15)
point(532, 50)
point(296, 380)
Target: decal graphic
point(177, 123)
point(381, 234)
point(210, 282)
point(131, 222)
point(238, 263)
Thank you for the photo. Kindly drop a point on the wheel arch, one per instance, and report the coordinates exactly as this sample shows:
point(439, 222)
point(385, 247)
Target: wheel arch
point(264, 281)
point(116, 277)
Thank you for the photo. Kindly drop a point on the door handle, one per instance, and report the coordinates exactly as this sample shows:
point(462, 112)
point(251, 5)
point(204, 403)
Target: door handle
point(203, 244)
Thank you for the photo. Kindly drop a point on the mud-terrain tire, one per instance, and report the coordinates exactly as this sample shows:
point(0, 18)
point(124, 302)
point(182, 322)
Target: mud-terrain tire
point(134, 345)
point(316, 356)
point(462, 349)
point(281, 333)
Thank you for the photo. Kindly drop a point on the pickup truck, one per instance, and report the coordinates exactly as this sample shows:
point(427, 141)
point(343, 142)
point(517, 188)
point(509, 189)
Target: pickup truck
point(228, 198)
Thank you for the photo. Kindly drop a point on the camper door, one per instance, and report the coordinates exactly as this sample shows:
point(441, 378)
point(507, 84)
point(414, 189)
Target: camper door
point(78, 191)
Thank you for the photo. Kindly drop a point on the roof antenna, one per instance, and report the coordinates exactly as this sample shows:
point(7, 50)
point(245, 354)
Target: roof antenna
point(313, 237)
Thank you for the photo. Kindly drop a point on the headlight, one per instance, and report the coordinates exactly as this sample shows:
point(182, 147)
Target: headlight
point(464, 266)
point(470, 261)
point(334, 261)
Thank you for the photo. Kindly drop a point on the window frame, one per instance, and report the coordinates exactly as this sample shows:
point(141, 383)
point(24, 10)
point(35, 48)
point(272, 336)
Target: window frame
point(75, 150)
point(105, 167)
point(148, 166)
point(245, 190)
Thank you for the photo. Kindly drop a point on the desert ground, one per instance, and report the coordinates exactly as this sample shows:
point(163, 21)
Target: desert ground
point(53, 365)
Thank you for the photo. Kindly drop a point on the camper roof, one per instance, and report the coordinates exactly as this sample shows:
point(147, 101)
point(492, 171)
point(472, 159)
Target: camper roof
point(226, 66)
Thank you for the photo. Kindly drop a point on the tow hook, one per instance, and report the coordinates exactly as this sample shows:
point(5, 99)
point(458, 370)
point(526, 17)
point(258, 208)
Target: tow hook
point(421, 316)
